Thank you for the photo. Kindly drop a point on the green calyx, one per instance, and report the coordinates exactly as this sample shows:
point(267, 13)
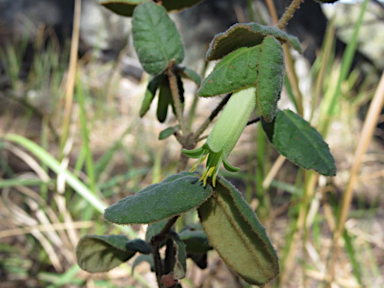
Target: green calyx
point(225, 135)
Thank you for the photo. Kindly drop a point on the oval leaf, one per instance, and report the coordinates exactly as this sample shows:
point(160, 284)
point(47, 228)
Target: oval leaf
point(125, 7)
point(189, 74)
point(235, 232)
point(175, 5)
point(143, 258)
point(168, 132)
point(102, 253)
point(200, 259)
point(235, 71)
point(246, 35)
point(150, 93)
point(196, 241)
point(175, 195)
point(155, 38)
point(154, 229)
point(296, 139)
point(139, 245)
point(165, 99)
point(181, 258)
point(270, 79)
point(122, 7)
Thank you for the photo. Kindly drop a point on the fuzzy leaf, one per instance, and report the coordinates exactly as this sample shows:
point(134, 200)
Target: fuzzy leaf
point(235, 71)
point(196, 241)
point(235, 232)
point(246, 35)
point(139, 245)
point(165, 99)
point(125, 7)
point(168, 132)
point(189, 74)
point(200, 259)
point(155, 38)
point(150, 93)
point(181, 258)
point(143, 258)
point(102, 253)
point(296, 139)
point(122, 7)
point(154, 229)
point(175, 195)
point(176, 5)
point(270, 78)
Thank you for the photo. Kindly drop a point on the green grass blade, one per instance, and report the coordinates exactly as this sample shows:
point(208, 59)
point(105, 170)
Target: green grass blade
point(345, 67)
point(54, 165)
point(85, 133)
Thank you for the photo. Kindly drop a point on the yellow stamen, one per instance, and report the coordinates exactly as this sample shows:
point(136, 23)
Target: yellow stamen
point(204, 178)
point(214, 180)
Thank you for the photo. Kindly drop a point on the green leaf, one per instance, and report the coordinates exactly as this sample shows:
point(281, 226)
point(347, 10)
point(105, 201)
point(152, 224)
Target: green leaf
point(154, 229)
point(165, 99)
point(235, 232)
point(155, 38)
point(196, 241)
point(175, 195)
point(168, 132)
point(102, 253)
point(235, 71)
point(189, 74)
point(125, 7)
point(200, 259)
point(296, 139)
point(122, 7)
point(181, 258)
point(143, 258)
point(270, 79)
point(246, 35)
point(150, 93)
point(173, 5)
point(139, 245)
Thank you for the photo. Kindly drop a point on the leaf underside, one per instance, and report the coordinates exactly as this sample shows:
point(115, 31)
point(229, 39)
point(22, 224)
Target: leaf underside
point(102, 253)
point(235, 232)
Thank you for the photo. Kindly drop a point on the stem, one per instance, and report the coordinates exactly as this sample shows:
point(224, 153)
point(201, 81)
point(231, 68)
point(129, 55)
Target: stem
point(288, 14)
point(158, 266)
point(211, 117)
point(255, 120)
point(176, 97)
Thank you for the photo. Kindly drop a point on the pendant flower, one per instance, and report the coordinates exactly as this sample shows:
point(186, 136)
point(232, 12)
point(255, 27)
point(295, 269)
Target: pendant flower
point(224, 135)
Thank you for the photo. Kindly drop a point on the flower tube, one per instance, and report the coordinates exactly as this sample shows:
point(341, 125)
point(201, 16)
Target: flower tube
point(224, 135)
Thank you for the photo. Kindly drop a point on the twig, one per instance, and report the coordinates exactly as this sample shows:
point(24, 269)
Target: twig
point(176, 97)
point(288, 14)
point(255, 120)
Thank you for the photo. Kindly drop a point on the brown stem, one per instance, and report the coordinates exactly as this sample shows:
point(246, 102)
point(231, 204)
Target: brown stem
point(288, 14)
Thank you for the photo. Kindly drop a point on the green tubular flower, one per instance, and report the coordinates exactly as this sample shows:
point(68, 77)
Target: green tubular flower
point(224, 135)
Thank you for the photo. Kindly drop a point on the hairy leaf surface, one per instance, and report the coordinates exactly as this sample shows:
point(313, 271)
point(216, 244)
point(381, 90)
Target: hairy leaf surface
point(296, 139)
point(235, 232)
point(175, 195)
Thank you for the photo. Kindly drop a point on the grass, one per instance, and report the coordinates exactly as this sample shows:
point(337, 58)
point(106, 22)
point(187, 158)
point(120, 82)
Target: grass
point(70, 178)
